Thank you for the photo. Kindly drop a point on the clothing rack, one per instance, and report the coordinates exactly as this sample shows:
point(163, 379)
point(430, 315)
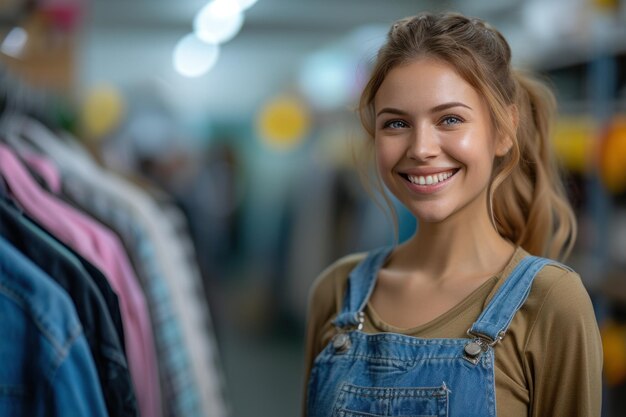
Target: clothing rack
point(158, 357)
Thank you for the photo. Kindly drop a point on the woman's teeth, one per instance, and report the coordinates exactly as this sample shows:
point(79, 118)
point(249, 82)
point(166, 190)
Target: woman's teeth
point(430, 179)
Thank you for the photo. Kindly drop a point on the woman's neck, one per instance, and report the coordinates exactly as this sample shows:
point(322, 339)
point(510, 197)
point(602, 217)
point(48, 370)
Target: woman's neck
point(454, 248)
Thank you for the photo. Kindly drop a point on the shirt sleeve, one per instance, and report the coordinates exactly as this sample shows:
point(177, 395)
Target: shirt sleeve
point(563, 353)
point(316, 316)
point(325, 299)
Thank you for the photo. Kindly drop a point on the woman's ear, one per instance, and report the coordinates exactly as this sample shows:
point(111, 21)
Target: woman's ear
point(505, 141)
point(504, 145)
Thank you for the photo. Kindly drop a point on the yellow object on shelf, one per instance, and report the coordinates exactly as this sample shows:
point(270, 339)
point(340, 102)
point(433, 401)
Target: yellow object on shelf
point(573, 142)
point(613, 156)
point(614, 347)
point(608, 5)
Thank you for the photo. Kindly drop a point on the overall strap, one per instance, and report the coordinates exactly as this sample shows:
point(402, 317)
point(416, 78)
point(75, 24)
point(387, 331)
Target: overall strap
point(496, 318)
point(361, 282)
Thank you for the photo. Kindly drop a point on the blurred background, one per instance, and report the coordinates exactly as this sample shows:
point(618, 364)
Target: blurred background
point(237, 116)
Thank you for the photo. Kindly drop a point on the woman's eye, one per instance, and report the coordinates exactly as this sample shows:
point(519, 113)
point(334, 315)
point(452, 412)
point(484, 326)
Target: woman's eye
point(395, 124)
point(451, 121)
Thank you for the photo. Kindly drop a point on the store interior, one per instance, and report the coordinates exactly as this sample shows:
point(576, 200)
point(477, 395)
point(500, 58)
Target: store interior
point(238, 117)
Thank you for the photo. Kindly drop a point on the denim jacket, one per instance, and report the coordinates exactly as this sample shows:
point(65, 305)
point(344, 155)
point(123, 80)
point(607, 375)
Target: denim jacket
point(47, 368)
point(65, 269)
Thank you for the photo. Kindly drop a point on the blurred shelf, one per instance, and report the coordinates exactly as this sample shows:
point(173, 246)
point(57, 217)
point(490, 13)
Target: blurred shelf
point(563, 54)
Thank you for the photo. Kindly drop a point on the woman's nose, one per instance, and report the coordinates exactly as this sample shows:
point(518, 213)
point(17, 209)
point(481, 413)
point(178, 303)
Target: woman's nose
point(423, 144)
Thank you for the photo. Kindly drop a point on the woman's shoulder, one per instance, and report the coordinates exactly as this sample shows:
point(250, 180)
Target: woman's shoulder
point(556, 280)
point(556, 275)
point(558, 295)
point(552, 277)
point(334, 278)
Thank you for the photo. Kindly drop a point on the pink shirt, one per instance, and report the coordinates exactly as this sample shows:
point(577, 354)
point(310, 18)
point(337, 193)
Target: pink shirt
point(102, 248)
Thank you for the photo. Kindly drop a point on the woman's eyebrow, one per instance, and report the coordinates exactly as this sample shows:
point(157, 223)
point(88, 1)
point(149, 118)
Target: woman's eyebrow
point(392, 111)
point(449, 105)
point(435, 109)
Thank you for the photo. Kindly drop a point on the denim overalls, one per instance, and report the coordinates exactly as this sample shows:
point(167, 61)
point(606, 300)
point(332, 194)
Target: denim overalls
point(387, 374)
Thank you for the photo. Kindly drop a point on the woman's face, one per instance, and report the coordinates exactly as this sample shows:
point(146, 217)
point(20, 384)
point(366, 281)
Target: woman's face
point(434, 141)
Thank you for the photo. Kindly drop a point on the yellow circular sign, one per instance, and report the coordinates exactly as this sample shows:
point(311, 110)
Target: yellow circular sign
point(283, 122)
point(101, 112)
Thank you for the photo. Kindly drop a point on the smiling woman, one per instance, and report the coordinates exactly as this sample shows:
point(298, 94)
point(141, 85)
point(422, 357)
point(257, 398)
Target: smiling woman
point(466, 318)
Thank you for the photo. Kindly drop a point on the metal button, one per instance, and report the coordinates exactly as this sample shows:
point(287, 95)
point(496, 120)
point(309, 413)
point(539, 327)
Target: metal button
point(473, 349)
point(341, 342)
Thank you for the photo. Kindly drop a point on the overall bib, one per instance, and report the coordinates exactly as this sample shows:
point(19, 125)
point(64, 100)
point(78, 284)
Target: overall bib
point(388, 374)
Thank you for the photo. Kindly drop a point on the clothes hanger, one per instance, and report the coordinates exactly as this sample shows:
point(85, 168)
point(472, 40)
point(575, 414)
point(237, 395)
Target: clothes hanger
point(15, 97)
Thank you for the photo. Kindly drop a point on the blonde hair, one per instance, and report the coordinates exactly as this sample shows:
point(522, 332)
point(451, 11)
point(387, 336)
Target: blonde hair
point(527, 200)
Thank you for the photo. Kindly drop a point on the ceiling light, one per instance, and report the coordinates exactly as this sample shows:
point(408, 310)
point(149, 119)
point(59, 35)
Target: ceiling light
point(219, 21)
point(194, 57)
point(14, 43)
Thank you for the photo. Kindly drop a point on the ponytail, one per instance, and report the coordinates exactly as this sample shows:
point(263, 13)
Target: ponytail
point(530, 206)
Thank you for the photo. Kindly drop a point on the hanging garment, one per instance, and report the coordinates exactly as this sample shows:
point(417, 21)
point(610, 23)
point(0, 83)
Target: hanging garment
point(183, 329)
point(51, 181)
point(47, 368)
point(94, 314)
point(389, 374)
point(187, 351)
point(101, 247)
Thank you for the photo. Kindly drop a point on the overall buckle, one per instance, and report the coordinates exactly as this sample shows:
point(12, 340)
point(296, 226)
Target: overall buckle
point(341, 341)
point(479, 344)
